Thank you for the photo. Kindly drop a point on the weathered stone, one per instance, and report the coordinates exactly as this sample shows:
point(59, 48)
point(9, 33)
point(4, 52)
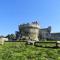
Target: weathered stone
point(2, 40)
point(30, 30)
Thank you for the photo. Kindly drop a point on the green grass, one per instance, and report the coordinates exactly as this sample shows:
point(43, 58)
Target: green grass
point(20, 51)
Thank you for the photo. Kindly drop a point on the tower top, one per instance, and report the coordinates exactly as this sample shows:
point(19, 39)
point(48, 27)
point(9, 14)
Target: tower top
point(35, 22)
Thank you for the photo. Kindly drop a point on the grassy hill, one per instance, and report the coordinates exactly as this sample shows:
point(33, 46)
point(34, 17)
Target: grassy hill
point(20, 51)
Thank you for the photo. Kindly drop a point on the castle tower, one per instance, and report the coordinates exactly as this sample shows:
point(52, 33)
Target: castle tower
point(30, 30)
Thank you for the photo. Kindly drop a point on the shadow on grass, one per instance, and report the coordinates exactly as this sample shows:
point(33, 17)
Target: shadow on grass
point(54, 47)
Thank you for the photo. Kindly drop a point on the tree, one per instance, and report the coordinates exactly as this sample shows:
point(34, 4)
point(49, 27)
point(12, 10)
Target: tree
point(11, 36)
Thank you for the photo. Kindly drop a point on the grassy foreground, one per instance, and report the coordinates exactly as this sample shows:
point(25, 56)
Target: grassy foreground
point(20, 51)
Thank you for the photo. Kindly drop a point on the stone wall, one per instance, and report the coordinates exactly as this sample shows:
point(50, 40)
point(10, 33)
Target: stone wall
point(2, 40)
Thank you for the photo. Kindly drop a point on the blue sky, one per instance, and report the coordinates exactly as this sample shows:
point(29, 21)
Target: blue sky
point(15, 12)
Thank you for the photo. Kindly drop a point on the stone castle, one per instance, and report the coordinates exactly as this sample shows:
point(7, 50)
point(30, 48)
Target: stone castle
point(33, 31)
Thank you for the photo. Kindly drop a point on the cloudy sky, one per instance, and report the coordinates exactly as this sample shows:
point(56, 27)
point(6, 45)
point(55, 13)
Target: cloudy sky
point(15, 12)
